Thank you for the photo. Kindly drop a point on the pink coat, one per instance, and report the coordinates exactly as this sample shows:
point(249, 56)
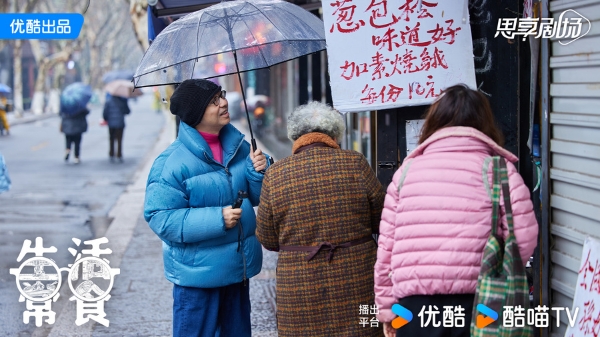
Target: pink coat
point(433, 232)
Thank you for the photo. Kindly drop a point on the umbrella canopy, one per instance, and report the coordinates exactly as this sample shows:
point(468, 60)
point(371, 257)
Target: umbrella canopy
point(203, 44)
point(117, 75)
point(74, 98)
point(5, 89)
point(122, 88)
point(230, 37)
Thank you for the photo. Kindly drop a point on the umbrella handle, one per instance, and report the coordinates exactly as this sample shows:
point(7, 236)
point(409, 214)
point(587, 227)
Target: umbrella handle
point(252, 140)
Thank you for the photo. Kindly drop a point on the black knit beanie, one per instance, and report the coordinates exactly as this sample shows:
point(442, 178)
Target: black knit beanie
point(190, 99)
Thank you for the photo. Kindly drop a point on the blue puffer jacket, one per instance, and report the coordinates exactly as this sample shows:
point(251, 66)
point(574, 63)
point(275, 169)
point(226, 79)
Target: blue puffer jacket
point(74, 124)
point(185, 194)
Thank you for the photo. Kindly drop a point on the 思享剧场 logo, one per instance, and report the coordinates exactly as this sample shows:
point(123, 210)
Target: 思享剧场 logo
point(569, 27)
point(90, 279)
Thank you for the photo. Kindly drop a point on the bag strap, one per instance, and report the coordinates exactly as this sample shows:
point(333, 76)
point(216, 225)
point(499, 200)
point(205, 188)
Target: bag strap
point(495, 194)
point(500, 183)
point(484, 176)
point(403, 176)
point(506, 195)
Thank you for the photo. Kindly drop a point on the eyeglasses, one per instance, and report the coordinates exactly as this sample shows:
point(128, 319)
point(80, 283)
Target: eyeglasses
point(217, 100)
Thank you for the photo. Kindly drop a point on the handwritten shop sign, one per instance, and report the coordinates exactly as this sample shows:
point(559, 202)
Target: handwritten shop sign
point(386, 54)
point(587, 292)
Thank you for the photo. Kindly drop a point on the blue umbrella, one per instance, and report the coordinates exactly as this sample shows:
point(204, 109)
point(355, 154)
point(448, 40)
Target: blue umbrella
point(74, 98)
point(5, 89)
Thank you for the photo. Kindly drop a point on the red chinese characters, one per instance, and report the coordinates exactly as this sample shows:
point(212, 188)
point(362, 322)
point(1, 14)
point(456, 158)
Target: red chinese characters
point(379, 10)
point(591, 275)
point(409, 6)
point(351, 69)
point(345, 17)
point(447, 34)
point(406, 53)
point(388, 40)
point(391, 92)
point(589, 324)
point(406, 63)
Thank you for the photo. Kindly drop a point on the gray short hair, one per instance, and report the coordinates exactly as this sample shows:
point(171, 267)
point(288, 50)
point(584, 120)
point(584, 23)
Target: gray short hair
point(315, 117)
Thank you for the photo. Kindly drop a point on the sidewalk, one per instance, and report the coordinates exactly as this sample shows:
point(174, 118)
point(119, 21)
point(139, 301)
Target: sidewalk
point(141, 298)
point(27, 117)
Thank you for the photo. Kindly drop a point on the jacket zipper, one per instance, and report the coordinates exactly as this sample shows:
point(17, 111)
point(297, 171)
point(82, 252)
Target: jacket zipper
point(231, 187)
point(243, 255)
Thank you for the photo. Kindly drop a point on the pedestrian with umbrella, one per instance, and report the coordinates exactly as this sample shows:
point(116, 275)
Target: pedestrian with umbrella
point(209, 247)
point(4, 92)
point(73, 113)
point(189, 190)
point(115, 109)
point(114, 75)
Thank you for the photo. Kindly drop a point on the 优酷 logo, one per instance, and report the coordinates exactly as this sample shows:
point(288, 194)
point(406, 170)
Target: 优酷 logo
point(404, 316)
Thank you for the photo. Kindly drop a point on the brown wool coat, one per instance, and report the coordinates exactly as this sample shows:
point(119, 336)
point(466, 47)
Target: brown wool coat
point(316, 195)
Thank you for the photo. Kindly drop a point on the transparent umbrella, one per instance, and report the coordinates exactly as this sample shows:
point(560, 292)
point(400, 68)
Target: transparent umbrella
point(227, 38)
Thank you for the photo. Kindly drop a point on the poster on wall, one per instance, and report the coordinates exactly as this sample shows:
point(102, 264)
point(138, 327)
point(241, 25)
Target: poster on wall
point(413, 132)
point(388, 54)
point(587, 292)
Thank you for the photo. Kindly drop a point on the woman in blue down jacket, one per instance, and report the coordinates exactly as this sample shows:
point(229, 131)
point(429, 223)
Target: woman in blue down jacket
point(209, 248)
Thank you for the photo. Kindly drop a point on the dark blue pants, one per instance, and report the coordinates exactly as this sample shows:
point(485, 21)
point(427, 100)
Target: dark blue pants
point(76, 140)
point(115, 135)
point(212, 312)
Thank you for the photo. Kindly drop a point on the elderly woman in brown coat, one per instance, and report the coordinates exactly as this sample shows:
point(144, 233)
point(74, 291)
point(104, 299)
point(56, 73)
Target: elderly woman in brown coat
point(319, 208)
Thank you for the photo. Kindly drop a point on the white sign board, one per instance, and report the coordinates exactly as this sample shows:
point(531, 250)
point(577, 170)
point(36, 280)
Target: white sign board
point(587, 292)
point(387, 54)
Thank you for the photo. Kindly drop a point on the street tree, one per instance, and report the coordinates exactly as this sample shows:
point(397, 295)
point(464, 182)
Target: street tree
point(19, 6)
point(51, 56)
point(99, 48)
point(138, 10)
point(105, 31)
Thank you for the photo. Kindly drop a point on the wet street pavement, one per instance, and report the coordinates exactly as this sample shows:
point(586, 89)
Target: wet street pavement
point(59, 201)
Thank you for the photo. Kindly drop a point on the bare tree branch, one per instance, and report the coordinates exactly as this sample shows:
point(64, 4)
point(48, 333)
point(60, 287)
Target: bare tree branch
point(138, 10)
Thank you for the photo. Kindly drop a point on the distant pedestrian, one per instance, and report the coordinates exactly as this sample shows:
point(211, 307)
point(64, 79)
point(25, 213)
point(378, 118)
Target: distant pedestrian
point(115, 109)
point(3, 111)
point(320, 208)
point(4, 178)
point(73, 126)
point(438, 215)
point(209, 248)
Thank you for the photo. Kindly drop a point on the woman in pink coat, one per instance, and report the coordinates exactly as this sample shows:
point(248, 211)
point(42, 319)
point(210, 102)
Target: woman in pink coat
point(437, 216)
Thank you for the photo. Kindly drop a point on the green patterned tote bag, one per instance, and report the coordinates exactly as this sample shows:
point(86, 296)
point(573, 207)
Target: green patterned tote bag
point(502, 281)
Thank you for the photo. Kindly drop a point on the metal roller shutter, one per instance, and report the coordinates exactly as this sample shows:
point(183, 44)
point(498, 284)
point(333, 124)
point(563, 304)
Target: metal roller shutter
point(574, 151)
